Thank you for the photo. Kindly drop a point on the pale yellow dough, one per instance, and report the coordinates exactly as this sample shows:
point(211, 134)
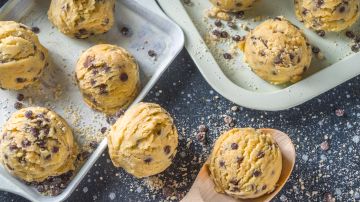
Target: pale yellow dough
point(233, 5)
point(108, 77)
point(82, 18)
point(277, 51)
point(327, 15)
point(144, 140)
point(245, 163)
point(36, 143)
point(22, 57)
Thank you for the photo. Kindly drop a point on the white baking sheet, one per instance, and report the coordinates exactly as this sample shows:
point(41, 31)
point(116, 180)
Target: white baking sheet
point(234, 79)
point(150, 30)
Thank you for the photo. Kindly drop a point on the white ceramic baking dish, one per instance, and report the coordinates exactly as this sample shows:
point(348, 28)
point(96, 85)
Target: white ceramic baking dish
point(235, 81)
point(150, 29)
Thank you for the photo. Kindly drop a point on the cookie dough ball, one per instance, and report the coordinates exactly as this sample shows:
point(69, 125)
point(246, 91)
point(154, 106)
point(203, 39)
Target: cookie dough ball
point(108, 77)
point(144, 140)
point(22, 57)
point(82, 18)
point(277, 51)
point(233, 5)
point(327, 15)
point(245, 163)
point(36, 143)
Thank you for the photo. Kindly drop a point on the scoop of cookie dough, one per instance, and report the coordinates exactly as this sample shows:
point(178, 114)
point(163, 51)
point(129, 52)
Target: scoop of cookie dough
point(277, 51)
point(22, 57)
point(245, 163)
point(233, 5)
point(327, 15)
point(108, 77)
point(82, 18)
point(144, 140)
point(36, 143)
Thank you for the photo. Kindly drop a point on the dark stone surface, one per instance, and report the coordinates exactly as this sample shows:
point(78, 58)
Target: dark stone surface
point(191, 101)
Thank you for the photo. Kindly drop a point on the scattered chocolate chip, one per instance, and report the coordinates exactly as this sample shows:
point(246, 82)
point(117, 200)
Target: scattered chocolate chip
point(357, 39)
point(28, 114)
point(12, 147)
point(328, 197)
point(103, 130)
point(339, 112)
point(315, 50)
point(167, 192)
point(218, 23)
point(119, 113)
point(95, 72)
point(256, 173)
point(325, 146)
point(350, 34)
point(110, 120)
point(167, 149)
point(260, 155)
point(216, 33)
point(201, 136)
point(35, 132)
point(36, 30)
point(125, 31)
point(224, 34)
point(18, 105)
point(103, 89)
point(93, 144)
point(55, 150)
point(202, 128)
point(240, 14)
point(342, 9)
point(231, 24)
point(20, 80)
point(123, 77)
point(222, 164)
point(319, 3)
point(152, 53)
point(41, 144)
point(228, 119)
point(147, 159)
point(238, 38)
point(321, 33)
point(227, 56)
point(234, 146)
point(355, 48)
point(234, 182)
point(20, 97)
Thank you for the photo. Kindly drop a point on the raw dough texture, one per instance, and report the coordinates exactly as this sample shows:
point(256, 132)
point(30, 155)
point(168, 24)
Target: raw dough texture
point(82, 18)
point(277, 51)
point(108, 77)
point(233, 5)
point(327, 15)
point(36, 143)
point(144, 140)
point(22, 57)
point(245, 163)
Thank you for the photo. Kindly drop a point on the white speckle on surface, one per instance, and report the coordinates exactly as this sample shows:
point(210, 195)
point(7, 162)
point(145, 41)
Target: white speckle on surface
point(85, 189)
point(283, 198)
point(323, 157)
point(356, 139)
point(337, 191)
point(112, 196)
point(305, 157)
point(139, 189)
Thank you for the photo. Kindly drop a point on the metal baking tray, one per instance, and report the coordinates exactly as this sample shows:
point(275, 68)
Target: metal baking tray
point(149, 28)
point(235, 81)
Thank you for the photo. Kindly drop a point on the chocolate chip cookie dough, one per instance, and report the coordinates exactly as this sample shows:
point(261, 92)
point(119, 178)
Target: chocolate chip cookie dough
point(144, 140)
point(36, 143)
point(233, 5)
point(82, 18)
point(245, 163)
point(327, 15)
point(22, 57)
point(108, 77)
point(277, 51)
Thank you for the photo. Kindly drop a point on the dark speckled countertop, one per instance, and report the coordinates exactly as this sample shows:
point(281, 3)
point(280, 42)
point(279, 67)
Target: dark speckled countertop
point(319, 172)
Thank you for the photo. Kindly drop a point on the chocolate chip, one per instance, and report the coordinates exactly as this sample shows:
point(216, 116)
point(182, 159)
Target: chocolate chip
point(20, 80)
point(28, 114)
point(41, 144)
point(42, 56)
point(355, 48)
point(350, 34)
point(234, 182)
point(83, 31)
point(224, 34)
point(119, 113)
point(201, 136)
point(95, 72)
point(103, 130)
point(227, 56)
point(357, 39)
point(103, 89)
point(319, 3)
point(110, 120)
point(20, 97)
point(325, 146)
point(34, 131)
point(228, 119)
point(93, 144)
point(123, 77)
point(218, 23)
point(256, 173)
point(277, 59)
point(339, 112)
point(264, 187)
point(12, 147)
point(305, 11)
point(18, 105)
point(240, 14)
point(125, 31)
point(106, 21)
point(106, 68)
point(234, 146)
point(152, 53)
point(202, 128)
point(315, 50)
point(260, 155)
point(222, 164)
point(167, 149)
point(328, 197)
point(238, 38)
point(216, 33)
point(342, 9)
point(36, 30)
point(92, 82)
point(55, 150)
point(88, 61)
point(48, 157)
point(321, 33)
point(147, 159)
point(231, 25)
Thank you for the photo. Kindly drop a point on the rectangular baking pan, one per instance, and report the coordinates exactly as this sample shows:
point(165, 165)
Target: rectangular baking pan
point(235, 81)
point(150, 29)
